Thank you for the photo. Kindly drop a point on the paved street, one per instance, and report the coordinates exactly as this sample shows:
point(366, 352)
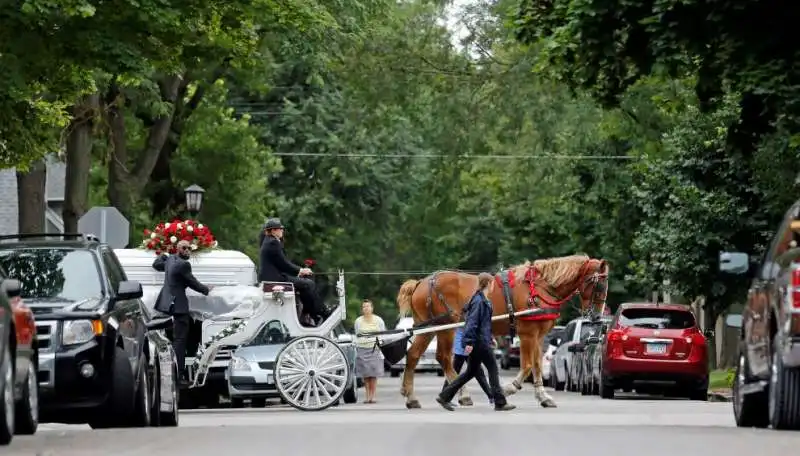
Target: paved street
point(581, 425)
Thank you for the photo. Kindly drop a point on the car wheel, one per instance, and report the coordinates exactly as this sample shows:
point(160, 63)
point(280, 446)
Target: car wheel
point(259, 402)
point(27, 410)
point(143, 412)
point(395, 373)
point(784, 394)
point(749, 410)
point(120, 405)
point(237, 402)
point(440, 373)
point(606, 388)
point(6, 396)
point(168, 419)
point(557, 385)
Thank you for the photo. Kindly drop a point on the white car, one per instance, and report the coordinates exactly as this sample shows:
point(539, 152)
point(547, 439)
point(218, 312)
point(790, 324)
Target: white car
point(427, 362)
point(561, 363)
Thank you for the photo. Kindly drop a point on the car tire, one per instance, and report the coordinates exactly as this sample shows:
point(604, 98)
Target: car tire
point(237, 402)
point(557, 385)
point(171, 418)
point(440, 373)
point(143, 411)
point(395, 373)
point(606, 388)
point(258, 402)
point(6, 395)
point(120, 405)
point(749, 410)
point(784, 394)
point(350, 395)
point(27, 409)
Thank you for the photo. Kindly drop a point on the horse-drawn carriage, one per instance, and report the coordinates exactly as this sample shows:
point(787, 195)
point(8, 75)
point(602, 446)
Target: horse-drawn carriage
point(311, 372)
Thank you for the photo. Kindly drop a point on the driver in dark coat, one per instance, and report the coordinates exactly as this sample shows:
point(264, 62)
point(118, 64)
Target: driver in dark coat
point(275, 267)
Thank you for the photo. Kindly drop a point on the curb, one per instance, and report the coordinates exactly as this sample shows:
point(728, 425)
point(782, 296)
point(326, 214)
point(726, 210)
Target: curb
point(719, 397)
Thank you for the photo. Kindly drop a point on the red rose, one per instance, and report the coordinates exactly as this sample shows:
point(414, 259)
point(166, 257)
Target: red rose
point(309, 263)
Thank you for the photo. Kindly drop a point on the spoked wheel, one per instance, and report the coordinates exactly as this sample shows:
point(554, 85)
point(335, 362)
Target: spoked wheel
point(311, 373)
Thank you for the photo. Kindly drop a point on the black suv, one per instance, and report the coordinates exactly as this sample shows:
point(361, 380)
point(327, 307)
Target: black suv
point(102, 360)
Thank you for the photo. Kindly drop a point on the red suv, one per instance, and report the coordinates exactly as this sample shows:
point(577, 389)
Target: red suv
point(648, 345)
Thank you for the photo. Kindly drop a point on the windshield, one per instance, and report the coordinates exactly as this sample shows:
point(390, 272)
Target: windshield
point(52, 273)
point(655, 318)
point(272, 333)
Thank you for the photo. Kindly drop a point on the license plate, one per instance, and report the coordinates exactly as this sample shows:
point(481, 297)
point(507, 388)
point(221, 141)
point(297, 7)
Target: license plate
point(657, 349)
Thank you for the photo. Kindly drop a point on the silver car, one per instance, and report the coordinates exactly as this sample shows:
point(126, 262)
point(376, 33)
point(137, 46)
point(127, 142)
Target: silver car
point(250, 373)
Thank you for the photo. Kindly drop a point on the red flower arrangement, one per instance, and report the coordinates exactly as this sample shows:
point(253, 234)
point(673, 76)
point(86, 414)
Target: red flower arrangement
point(165, 236)
point(309, 263)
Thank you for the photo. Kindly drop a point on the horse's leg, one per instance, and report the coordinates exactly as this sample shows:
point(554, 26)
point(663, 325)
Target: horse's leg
point(418, 347)
point(545, 400)
point(444, 354)
point(524, 366)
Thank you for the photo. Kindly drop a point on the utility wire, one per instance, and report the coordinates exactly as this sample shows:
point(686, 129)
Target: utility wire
point(498, 157)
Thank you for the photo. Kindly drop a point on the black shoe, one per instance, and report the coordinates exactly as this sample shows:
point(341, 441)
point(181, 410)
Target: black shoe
point(445, 404)
point(504, 407)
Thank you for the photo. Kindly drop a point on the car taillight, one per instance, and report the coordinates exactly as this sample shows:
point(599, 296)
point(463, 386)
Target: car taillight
point(696, 339)
point(617, 335)
point(794, 296)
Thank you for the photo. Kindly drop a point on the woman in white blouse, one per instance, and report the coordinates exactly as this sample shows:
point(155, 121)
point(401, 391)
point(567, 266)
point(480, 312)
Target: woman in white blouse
point(369, 360)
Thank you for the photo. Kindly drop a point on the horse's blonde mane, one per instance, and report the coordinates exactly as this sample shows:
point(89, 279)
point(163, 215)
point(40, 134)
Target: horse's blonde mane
point(555, 271)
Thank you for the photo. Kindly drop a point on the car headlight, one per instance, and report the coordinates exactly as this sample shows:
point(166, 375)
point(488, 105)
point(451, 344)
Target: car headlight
point(80, 331)
point(239, 364)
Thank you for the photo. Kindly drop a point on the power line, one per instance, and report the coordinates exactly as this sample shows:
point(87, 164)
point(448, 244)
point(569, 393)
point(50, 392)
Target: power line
point(499, 157)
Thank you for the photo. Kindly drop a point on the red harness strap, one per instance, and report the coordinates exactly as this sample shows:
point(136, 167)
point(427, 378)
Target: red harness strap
point(530, 275)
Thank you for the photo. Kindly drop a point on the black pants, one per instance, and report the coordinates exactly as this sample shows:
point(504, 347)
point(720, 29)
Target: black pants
point(312, 304)
point(458, 363)
point(481, 355)
point(180, 333)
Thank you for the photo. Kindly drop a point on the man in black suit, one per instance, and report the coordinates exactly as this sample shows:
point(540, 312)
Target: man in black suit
point(275, 267)
point(172, 298)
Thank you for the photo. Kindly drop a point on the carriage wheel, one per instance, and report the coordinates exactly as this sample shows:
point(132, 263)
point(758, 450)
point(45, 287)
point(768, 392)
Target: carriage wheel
point(311, 373)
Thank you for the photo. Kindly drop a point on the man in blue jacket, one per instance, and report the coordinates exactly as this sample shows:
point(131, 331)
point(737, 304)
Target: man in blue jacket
point(477, 342)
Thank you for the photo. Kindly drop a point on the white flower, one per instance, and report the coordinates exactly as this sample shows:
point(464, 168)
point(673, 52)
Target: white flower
point(153, 235)
point(194, 246)
point(173, 239)
point(214, 245)
point(189, 228)
point(180, 226)
point(186, 221)
point(166, 226)
point(200, 225)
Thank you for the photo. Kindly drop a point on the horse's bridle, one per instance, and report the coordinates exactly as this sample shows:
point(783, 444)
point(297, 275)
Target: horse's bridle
point(594, 278)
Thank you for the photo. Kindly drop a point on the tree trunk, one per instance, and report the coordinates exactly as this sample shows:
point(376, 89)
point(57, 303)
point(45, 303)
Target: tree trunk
point(31, 200)
point(79, 161)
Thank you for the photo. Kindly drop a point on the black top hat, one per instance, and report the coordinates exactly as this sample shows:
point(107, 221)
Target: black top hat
point(273, 224)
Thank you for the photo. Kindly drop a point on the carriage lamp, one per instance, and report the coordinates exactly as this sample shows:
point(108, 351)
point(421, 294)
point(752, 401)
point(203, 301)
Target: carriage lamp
point(194, 198)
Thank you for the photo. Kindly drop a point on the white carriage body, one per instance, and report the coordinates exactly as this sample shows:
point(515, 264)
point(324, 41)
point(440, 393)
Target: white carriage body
point(240, 307)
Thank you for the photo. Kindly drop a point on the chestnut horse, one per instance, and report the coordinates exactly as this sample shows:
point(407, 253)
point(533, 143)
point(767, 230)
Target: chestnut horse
point(547, 284)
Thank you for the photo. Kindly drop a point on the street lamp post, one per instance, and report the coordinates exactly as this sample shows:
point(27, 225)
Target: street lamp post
point(194, 199)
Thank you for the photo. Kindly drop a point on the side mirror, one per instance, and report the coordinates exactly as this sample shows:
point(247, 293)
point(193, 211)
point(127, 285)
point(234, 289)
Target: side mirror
point(734, 262)
point(593, 340)
point(157, 324)
point(556, 341)
point(344, 338)
point(12, 287)
point(129, 289)
point(576, 348)
point(709, 333)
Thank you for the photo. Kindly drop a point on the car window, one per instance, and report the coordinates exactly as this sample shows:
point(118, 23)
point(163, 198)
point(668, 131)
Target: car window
point(569, 331)
point(54, 273)
point(590, 328)
point(553, 334)
point(272, 333)
point(655, 318)
point(780, 243)
point(114, 276)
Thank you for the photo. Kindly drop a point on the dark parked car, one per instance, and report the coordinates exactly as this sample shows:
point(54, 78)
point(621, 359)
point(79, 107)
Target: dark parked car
point(766, 388)
point(654, 347)
point(102, 360)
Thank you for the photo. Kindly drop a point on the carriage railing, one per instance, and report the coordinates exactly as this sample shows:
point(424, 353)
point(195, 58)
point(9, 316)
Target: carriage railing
point(271, 308)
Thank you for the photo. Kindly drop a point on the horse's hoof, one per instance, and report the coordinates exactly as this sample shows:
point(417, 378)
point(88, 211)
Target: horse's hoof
point(413, 404)
point(465, 401)
point(509, 390)
point(548, 403)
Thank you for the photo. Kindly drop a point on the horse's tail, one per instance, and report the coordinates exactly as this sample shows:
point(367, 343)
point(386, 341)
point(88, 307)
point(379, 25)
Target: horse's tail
point(404, 296)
